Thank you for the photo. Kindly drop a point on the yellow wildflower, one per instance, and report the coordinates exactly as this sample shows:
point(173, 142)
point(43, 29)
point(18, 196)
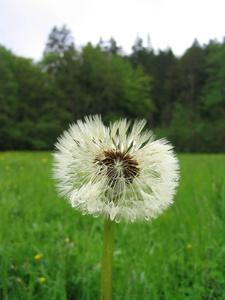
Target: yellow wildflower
point(38, 256)
point(21, 168)
point(189, 246)
point(44, 160)
point(7, 167)
point(42, 279)
point(2, 158)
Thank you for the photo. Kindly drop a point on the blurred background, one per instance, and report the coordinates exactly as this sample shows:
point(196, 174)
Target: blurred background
point(159, 60)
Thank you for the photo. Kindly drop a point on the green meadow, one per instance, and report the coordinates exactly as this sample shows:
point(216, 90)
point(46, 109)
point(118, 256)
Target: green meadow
point(50, 251)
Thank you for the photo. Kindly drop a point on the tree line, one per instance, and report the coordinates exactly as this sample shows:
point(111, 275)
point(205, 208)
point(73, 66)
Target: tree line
point(181, 98)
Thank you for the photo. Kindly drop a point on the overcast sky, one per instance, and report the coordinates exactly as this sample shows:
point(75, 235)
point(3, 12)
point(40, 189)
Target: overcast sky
point(26, 24)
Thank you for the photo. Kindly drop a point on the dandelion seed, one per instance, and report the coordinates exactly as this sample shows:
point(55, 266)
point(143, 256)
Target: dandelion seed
point(67, 239)
point(189, 246)
point(44, 160)
point(42, 279)
point(118, 171)
point(38, 256)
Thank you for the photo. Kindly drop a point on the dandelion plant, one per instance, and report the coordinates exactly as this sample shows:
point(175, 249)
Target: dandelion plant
point(119, 172)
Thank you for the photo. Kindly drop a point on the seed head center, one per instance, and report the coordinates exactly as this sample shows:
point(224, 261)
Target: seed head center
point(118, 165)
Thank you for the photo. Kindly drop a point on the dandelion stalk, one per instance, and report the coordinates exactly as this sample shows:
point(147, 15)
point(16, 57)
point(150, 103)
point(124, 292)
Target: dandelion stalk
point(107, 260)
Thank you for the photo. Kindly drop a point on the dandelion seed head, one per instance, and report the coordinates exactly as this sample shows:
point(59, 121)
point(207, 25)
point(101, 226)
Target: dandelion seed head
point(119, 171)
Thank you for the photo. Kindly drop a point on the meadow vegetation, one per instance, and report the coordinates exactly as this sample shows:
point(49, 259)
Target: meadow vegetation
point(50, 251)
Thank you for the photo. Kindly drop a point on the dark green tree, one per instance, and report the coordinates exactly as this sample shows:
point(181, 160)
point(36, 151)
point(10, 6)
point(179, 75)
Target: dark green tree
point(110, 47)
point(24, 101)
point(157, 67)
point(58, 41)
point(112, 87)
point(213, 93)
point(8, 98)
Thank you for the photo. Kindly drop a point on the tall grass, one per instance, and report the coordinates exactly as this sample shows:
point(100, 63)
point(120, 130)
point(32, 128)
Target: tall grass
point(180, 255)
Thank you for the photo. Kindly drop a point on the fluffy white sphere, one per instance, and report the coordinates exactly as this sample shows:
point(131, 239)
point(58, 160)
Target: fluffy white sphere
point(119, 171)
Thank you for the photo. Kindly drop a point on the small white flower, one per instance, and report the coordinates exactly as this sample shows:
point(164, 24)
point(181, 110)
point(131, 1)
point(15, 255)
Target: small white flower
point(118, 171)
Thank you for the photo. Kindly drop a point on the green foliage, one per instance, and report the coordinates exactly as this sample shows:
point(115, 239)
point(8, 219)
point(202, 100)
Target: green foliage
point(156, 66)
point(58, 41)
point(27, 105)
point(179, 255)
point(213, 95)
point(181, 98)
point(99, 82)
point(194, 119)
point(110, 47)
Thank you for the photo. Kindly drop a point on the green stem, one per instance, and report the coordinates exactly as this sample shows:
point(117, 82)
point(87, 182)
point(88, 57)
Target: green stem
point(107, 260)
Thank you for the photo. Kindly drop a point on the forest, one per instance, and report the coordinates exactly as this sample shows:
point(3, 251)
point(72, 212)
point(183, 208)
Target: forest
point(182, 98)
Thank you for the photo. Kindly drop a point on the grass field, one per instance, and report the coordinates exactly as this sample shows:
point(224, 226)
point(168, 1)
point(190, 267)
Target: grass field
point(50, 251)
